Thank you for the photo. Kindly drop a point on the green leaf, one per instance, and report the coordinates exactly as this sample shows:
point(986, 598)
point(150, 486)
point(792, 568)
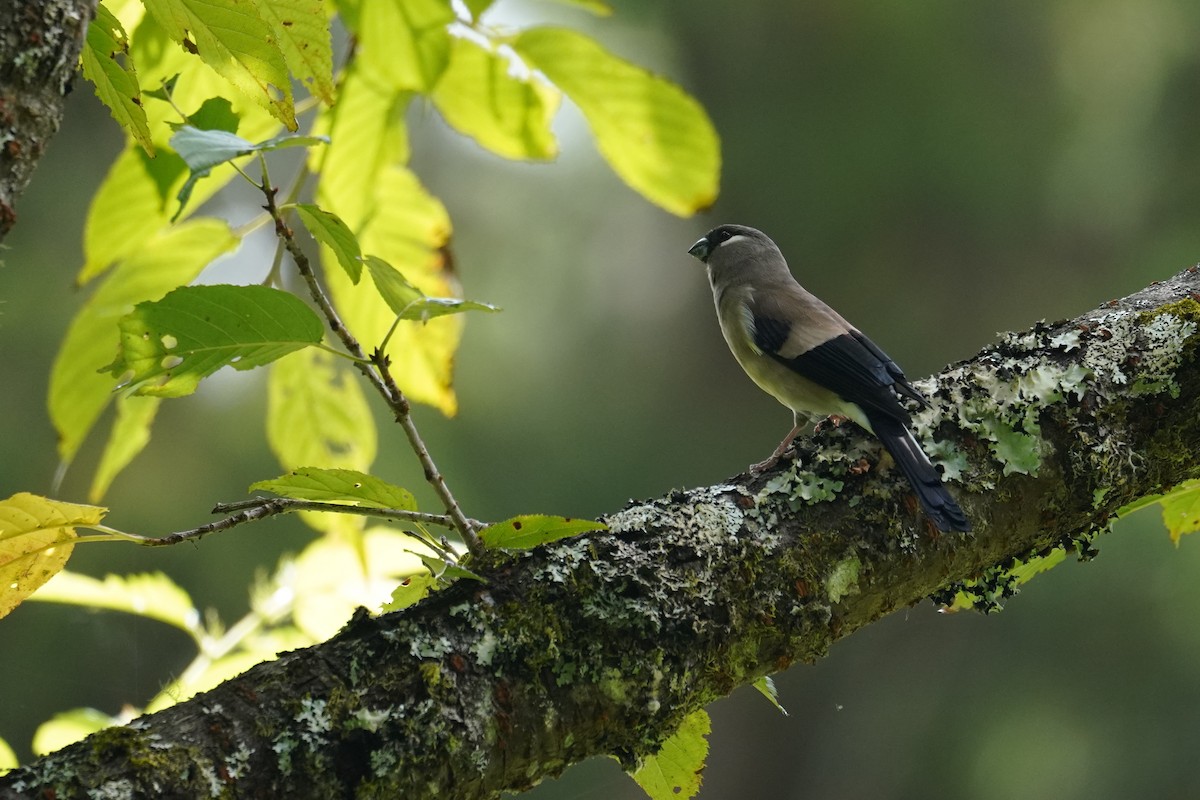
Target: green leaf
point(151, 595)
point(129, 436)
point(412, 590)
point(78, 393)
point(407, 301)
point(655, 136)
point(479, 97)
point(303, 30)
point(405, 45)
point(317, 414)
point(163, 92)
point(338, 486)
point(160, 61)
point(447, 572)
point(1181, 509)
point(674, 772)
point(328, 229)
point(36, 538)
point(8, 759)
point(767, 687)
point(69, 727)
point(233, 38)
point(202, 150)
point(525, 532)
point(106, 47)
point(196, 330)
point(214, 114)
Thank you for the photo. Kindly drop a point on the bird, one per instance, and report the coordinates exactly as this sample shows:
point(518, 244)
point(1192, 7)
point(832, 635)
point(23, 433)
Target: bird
point(810, 359)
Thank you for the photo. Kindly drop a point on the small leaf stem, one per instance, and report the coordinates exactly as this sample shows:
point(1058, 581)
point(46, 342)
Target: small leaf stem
point(263, 507)
point(376, 370)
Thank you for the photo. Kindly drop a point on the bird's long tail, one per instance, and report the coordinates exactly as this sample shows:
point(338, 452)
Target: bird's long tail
point(939, 506)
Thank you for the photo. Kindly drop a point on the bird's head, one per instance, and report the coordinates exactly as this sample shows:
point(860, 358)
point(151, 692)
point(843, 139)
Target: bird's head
point(733, 248)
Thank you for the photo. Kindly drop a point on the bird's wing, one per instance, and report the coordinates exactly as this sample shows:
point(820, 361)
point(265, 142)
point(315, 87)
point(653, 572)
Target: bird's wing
point(826, 350)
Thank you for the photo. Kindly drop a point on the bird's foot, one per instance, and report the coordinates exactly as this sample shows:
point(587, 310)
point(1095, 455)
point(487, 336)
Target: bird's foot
point(835, 420)
point(763, 466)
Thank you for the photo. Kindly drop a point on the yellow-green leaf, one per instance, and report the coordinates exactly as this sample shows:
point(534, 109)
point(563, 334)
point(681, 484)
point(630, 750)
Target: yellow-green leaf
point(129, 436)
point(367, 136)
point(328, 229)
point(159, 60)
point(338, 486)
point(317, 414)
point(674, 772)
point(233, 38)
point(128, 208)
point(36, 538)
point(408, 301)
point(169, 345)
point(78, 393)
point(108, 65)
point(129, 12)
point(767, 687)
point(1181, 509)
point(655, 136)
point(524, 532)
point(480, 97)
point(410, 229)
point(205, 673)
point(152, 595)
point(405, 45)
point(69, 727)
point(333, 576)
point(8, 759)
point(303, 28)
point(412, 590)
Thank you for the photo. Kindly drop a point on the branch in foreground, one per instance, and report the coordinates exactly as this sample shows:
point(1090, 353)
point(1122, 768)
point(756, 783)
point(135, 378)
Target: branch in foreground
point(482, 689)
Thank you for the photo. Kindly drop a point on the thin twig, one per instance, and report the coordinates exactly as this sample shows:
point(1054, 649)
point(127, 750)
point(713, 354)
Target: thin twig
point(263, 507)
point(376, 371)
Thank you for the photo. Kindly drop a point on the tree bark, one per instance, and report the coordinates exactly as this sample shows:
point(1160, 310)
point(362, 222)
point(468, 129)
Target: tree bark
point(39, 52)
point(601, 644)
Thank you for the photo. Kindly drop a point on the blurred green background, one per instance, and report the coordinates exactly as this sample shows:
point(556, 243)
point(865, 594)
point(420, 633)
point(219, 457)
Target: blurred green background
point(937, 171)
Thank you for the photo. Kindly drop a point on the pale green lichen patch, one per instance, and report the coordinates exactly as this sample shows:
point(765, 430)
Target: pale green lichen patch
point(313, 721)
point(1160, 358)
point(284, 746)
point(801, 486)
point(1000, 398)
point(843, 580)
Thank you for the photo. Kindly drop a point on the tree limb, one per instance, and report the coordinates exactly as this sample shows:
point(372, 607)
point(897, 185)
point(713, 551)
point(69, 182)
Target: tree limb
point(39, 50)
point(601, 644)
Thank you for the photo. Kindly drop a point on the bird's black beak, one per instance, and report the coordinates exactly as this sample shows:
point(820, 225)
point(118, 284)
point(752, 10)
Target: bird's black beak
point(701, 249)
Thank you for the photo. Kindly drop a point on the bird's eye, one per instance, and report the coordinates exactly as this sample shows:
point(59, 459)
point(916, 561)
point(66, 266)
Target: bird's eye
point(720, 236)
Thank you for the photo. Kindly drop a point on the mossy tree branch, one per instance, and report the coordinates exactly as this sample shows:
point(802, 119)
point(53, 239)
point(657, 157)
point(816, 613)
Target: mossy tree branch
point(39, 50)
point(603, 643)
